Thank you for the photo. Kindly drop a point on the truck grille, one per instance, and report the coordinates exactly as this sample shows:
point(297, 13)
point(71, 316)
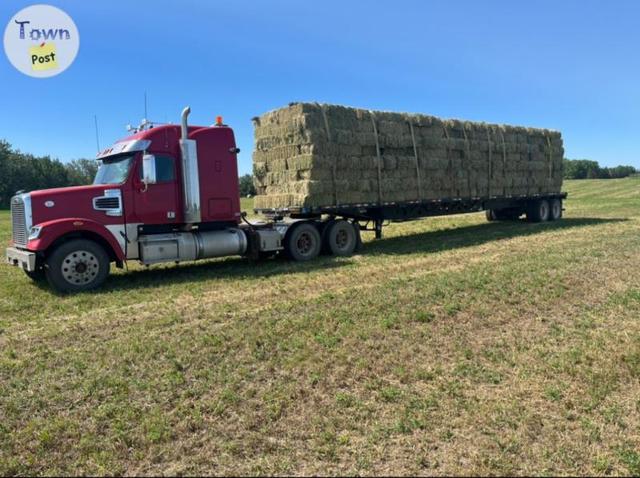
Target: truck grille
point(18, 221)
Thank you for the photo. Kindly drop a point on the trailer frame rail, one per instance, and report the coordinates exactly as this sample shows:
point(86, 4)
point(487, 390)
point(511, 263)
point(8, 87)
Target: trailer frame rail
point(410, 210)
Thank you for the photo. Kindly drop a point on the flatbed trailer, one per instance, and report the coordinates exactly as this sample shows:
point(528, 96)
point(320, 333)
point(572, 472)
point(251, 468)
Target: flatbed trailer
point(373, 216)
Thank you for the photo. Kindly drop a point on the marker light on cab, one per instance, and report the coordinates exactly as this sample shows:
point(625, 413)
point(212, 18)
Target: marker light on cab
point(34, 233)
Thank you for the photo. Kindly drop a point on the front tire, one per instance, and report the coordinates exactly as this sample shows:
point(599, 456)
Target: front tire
point(77, 265)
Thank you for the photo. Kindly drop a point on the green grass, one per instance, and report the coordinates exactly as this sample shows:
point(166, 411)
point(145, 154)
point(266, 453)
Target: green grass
point(452, 346)
point(246, 204)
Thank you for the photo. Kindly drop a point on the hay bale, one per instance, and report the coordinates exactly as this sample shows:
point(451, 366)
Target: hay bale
point(308, 154)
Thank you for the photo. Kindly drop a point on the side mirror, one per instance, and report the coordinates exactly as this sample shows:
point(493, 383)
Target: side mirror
point(148, 169)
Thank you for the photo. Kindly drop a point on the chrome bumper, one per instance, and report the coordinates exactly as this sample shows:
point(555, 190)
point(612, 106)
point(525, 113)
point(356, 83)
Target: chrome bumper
point(20, 258)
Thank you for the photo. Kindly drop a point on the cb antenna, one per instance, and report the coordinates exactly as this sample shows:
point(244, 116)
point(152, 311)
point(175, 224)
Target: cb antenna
point(95, 122)
point(145, 106)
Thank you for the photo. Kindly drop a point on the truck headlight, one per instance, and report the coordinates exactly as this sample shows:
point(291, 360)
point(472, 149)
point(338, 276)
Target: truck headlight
point(34, 233)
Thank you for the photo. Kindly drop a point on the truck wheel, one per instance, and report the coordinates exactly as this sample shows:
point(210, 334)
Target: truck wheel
point(356, 227)
point(77, 265)
point(324, 237)
point(303, 242)
point(538, 211)
point(555, 211)
point(491, 215)
point(341, 238)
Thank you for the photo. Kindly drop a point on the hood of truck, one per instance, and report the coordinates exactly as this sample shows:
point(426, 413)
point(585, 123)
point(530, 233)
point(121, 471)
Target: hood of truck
point(72, 202)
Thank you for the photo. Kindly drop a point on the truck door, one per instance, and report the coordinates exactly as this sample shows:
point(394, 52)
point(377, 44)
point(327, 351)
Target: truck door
point(157, 204)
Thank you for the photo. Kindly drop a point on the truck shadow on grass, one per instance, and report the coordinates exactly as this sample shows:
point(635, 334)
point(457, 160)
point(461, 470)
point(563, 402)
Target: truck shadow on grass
point(425, 242)
point(237, 268)
point(468, 236)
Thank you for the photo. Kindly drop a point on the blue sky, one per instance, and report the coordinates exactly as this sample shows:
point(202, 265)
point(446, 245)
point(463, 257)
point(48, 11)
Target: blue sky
point(570, 65)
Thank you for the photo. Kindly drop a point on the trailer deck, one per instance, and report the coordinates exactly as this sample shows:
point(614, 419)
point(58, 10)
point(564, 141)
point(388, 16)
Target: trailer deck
point(378, 213)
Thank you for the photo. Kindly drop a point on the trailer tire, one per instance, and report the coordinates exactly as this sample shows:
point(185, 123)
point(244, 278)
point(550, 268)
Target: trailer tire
point(303, 242)
point(555, 209)
point(324, 233)
point(356, 227)
point(77, 265)
point(491, 215)
point(341, 238)
point(538, 211)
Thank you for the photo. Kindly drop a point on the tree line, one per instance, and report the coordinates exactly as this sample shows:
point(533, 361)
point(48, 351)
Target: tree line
point(587, 169)
point(22, 171)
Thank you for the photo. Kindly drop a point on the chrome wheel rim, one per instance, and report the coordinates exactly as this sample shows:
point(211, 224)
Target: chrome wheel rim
point(80, 267)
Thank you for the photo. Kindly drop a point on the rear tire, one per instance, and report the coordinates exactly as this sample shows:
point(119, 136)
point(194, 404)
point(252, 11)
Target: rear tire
point(302, 243)
point(491, 215)
point(356, 227)
point(555, 211)
point(341, 238)
point(538, 211)
point(77, 265)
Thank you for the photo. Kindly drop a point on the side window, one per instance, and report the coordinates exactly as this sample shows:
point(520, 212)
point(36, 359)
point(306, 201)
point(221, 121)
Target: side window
point(165, 170)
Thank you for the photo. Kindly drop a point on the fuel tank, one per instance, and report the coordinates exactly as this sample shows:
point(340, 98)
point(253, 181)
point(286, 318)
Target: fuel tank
point(191, 246)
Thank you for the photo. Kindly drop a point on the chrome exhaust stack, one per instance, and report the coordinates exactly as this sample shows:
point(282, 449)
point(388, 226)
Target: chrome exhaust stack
point(190, 176)
point(185, 114)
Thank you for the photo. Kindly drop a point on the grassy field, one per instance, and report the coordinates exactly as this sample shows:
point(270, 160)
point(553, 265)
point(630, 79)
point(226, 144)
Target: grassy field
point(452, 346)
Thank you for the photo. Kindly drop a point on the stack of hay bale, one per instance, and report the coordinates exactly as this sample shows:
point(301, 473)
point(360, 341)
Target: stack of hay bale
point(309, 155)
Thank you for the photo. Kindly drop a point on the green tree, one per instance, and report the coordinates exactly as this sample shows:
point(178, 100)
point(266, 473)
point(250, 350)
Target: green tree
point(622, 171)
point(5, 172)
point(586, 169)
point(26, 172)
point(82, 171)
point(246, 185)
point(581, 169)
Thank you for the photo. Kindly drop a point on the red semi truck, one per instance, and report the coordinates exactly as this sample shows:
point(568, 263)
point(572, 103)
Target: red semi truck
point(170, 193)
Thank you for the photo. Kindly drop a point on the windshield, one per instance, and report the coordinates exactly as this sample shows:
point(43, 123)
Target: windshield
point(114, 170)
